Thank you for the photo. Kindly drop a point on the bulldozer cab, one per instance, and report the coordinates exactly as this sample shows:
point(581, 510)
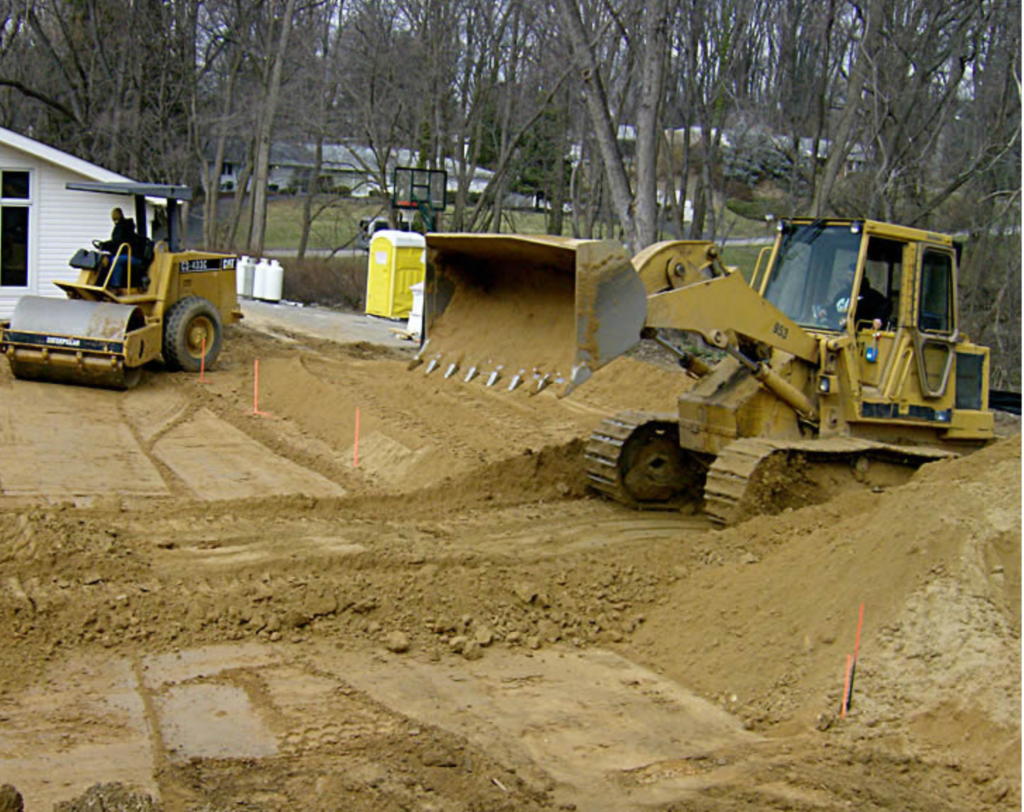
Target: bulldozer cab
point(828, 277)
point(893, 292)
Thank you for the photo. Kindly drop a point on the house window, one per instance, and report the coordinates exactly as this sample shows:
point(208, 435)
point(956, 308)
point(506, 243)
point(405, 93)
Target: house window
point(15, 198)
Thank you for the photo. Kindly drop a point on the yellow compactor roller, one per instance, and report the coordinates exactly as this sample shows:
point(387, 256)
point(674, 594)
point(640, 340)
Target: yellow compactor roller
point(174, 307)
point(839, 360)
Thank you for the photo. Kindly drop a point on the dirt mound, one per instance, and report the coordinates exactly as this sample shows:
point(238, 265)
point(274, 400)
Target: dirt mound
point(764, 614)
point(549, 474)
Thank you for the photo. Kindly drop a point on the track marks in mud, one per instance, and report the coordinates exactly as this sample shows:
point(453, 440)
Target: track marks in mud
point(62, 442)
point(217, 461)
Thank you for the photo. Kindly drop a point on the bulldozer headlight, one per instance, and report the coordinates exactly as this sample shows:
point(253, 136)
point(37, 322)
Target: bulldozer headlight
point(824, 385)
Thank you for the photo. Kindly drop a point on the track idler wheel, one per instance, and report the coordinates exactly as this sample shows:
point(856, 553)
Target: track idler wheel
point(635, 458)
point(652, 467)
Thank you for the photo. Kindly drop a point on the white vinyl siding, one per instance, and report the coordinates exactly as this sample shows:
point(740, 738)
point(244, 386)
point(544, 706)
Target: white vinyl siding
point(60, 221)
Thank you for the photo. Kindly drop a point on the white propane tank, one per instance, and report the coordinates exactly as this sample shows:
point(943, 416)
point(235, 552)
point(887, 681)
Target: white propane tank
point(240, 275)
point(259, 276)
point(244, 276)
point(273, 282)
point(249, 277)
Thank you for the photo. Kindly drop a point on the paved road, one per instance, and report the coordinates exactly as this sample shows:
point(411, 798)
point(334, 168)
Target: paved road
point(322, 322)
point(285, 253)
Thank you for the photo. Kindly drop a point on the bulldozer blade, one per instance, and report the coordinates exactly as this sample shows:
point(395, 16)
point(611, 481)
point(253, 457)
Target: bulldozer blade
point(549, 306)
point(611, 307)
point(72, 341)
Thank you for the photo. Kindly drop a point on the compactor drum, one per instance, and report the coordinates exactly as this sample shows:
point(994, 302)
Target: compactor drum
point(838, 360)
point(75, 341)
point(175, 309)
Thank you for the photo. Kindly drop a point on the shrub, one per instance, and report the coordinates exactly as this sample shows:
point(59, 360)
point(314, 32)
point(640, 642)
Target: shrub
point(753, 209)
point(754, 157)
point(338, 282)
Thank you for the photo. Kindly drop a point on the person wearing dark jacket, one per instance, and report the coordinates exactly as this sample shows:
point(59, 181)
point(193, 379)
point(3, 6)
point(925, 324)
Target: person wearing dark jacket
point(868, 305)
point(123, 234)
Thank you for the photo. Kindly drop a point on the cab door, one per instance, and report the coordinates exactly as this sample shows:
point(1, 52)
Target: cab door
point(879, 343)
point(937, 334)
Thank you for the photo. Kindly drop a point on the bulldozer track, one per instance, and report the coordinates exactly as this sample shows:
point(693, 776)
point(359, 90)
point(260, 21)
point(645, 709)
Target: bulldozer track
point(727, 489)
point(601, 456)
point(729, 478)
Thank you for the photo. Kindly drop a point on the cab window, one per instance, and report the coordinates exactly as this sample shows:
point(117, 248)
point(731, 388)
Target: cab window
point(935, 312)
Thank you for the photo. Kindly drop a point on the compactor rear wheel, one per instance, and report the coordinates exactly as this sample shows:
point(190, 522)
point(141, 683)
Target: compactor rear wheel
point(191, 325)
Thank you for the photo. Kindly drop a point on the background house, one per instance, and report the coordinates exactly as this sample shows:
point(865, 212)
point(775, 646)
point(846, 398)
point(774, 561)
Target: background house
point(42, 224)
point(347, 169)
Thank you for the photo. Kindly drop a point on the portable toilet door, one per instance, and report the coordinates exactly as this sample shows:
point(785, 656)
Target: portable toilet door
point(397, 262)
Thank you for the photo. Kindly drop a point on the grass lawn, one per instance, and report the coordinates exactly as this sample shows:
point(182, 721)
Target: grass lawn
point(744, 257)
point(337, 222)
point(335, 225)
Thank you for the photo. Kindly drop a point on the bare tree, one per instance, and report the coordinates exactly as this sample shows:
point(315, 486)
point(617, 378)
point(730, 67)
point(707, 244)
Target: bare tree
point(598, 106)
point(272, 71)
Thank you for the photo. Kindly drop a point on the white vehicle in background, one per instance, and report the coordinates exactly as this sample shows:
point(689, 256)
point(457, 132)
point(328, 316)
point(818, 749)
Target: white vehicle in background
point(368, 226)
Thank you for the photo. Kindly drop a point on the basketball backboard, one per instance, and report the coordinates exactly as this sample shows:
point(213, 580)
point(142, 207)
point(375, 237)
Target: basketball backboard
point(414, 188)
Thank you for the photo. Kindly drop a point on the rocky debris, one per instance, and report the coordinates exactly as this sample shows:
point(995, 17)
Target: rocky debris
point(483, 636)
point(113, 797)
point(397, 642)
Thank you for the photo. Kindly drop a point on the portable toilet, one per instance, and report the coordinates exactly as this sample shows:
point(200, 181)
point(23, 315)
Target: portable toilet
point(397, 262)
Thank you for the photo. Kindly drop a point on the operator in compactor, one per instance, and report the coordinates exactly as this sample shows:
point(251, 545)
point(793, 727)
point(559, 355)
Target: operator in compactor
point(123, 234)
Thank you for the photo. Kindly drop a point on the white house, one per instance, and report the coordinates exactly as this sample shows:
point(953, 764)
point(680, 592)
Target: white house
point(343, 166)
point(42, 223)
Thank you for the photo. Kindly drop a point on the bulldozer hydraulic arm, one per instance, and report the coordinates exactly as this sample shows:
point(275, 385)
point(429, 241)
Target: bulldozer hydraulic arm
point(726, 304)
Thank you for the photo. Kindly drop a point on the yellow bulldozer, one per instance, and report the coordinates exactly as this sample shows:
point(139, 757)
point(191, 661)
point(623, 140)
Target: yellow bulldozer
point(173, 306)
point(837, 361)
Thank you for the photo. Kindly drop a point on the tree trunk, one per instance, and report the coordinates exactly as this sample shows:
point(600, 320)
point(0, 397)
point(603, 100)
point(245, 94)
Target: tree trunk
point(843, 140)
point(312, 187)
point(211, 214)
point(648, 124)
point(266, 129)
point(240, 202)
point(596, 99)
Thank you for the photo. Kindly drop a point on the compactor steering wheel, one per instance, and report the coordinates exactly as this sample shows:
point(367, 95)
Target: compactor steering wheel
point(96, 245)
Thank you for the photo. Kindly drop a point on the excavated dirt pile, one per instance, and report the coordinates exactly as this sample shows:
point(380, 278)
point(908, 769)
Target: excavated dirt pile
point(375, 589)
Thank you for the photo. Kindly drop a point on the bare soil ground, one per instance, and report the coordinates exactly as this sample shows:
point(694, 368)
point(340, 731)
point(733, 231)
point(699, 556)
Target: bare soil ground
point(205, 608)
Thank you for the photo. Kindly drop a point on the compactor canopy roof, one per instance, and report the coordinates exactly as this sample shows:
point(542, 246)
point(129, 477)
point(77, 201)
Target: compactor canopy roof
point(166, 191)
point(169, 193)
